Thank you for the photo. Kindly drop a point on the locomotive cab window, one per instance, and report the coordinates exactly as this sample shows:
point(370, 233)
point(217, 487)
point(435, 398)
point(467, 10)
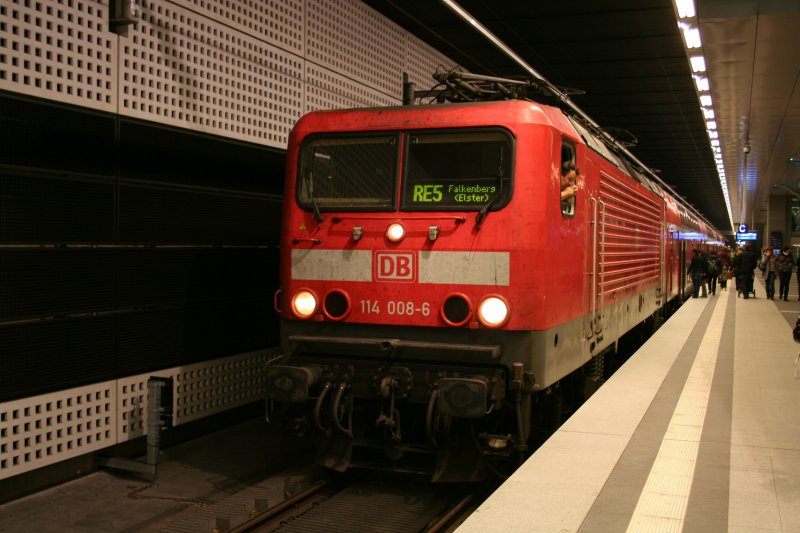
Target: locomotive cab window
point(569, 177)
point(457, 170)
point(353, 173)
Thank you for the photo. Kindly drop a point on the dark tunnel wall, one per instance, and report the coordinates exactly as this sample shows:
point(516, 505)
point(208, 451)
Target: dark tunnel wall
point(128, 246)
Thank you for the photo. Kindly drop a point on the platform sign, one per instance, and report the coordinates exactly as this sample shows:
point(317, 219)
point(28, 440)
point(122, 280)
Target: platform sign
point(742, 228)
point(747, 236)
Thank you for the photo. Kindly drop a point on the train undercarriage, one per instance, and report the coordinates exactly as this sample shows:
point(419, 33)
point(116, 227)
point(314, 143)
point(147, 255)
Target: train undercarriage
point(459, 422)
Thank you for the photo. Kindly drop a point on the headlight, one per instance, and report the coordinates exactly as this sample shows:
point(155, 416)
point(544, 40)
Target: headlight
point(304, 303)
point(493, 311)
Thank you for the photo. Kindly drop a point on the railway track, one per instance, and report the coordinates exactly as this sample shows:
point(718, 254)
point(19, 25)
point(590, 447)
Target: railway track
point(369, 503)
point(316, 501)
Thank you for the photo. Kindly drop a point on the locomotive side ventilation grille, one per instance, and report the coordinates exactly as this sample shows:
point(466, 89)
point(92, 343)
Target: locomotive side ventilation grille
point(629, 248)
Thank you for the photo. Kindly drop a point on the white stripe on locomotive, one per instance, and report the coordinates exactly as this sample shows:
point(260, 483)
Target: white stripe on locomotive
point(463, 268)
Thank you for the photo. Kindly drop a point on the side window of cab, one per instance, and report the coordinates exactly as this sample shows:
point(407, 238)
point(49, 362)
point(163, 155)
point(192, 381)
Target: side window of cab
point(569, 176)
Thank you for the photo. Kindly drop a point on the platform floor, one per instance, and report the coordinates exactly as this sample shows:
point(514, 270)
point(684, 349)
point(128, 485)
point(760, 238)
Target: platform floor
point(698, 431)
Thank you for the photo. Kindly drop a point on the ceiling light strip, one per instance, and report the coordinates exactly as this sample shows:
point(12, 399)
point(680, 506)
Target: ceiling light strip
point(690, 29)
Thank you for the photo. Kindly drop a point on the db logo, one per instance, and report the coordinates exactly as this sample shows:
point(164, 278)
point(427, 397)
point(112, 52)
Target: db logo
point(394, 266)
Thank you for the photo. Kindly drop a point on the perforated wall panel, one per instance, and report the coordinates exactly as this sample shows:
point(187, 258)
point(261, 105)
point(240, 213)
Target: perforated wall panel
point(67, 138)
point(279, 22)
point(352, 39)
point(45, 429)
point(421, 61)
point(48, 210)
point(182, 157)
point(59, 50)
point(199, 390)
point(132, 404)
point(157, 338)
point(180, 216)
point(49, 281)
point(204, 389)
point(184, 69)
point(240, 69)
point(46, 355)
point(42, 430)
point(152, 277)
point(328, 90)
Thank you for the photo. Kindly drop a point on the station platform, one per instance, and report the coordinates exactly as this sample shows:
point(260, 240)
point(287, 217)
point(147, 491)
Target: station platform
point(698, 431)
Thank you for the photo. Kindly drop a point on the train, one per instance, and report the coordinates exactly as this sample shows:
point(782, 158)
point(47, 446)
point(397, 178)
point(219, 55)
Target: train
point(440, 303)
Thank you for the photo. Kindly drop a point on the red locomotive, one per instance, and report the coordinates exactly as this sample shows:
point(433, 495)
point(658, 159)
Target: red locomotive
point(437, 294)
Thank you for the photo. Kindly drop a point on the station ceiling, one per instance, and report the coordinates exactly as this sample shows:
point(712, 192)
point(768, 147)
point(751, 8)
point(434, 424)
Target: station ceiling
point(628, 59)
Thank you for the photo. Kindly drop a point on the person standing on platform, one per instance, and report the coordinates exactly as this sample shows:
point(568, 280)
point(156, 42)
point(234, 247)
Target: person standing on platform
point(767, 267)
point(704, 257)
point(784, 264)
point(714, 268)
point(735, 268)
point(698, 267)
point(725, 271)
point(745, 267)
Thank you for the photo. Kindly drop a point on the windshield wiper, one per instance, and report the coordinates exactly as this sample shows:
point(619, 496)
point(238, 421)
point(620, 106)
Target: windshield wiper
point(485, 209)
point(310, 188)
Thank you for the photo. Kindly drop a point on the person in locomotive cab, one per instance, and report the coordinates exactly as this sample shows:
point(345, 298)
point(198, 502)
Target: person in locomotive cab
point(698, 268)
point(569, 187)
point(569, 178)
